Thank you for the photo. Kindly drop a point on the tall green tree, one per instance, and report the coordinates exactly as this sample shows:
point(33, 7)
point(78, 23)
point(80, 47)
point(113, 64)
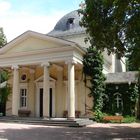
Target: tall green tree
point(133, 59)
point(3, 39)
point(113, 24)
point(4, 91)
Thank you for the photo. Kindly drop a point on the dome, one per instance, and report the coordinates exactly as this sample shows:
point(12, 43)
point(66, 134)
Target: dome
point(68, 25)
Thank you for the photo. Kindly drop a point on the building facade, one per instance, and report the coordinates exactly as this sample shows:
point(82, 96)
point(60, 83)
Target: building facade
point(46, 71)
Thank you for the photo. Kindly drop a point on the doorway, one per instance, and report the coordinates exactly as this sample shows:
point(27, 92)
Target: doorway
point(41, 103)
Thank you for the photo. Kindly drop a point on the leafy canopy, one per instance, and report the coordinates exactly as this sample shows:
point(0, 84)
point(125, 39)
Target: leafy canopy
point(5, 91)
point(3, 39)
point(113, 24)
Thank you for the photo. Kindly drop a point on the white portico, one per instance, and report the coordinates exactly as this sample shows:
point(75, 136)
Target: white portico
point(35, 55)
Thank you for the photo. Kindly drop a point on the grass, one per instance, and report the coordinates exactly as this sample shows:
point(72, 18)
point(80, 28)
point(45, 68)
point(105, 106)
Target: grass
point(129, 119)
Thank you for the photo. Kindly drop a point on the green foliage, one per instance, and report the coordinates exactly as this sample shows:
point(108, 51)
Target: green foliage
point(3, 40)
point(133, 59)
point(129, 94)
point(4, 75)
point(98, 116)
point(113, 24)
point(134, 93)
point(5, 91)
point(93, 67)
point(129, 119)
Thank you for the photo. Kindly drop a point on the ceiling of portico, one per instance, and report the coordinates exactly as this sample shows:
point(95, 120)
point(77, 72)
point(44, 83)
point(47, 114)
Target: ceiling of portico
point(54, 69)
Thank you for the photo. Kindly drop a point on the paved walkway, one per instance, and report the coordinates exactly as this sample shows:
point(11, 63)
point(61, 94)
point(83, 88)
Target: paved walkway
point(97, 131)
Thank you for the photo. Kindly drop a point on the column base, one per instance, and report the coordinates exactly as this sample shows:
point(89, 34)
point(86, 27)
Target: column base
point(46, 118)
point(71, 118)
point(14, 116)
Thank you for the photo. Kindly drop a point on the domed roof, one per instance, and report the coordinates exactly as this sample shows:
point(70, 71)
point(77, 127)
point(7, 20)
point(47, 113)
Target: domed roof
point(68, 25)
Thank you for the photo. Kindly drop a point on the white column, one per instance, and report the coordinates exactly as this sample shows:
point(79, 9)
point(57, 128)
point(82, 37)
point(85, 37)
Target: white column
point(31, 93)
point(46, 90)
point(15, 92)
point(71, 90)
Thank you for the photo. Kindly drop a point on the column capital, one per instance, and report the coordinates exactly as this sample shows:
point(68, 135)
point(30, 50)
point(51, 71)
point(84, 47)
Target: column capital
point(45, 64)
point(15, 67)
point(71, 61)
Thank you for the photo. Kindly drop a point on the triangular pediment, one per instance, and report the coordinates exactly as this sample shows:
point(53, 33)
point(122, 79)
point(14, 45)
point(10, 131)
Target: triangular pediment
point(40, 79)
point(31, 41)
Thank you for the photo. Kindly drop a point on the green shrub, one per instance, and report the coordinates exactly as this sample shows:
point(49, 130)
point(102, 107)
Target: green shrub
point(1, 114)
point(129, 119)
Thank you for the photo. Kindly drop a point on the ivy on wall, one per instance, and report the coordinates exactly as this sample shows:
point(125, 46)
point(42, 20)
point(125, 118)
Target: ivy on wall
point(129, 95)
point(93, 67)
point(103, 95)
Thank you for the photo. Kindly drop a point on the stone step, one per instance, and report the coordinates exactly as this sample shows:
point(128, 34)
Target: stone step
point(51, 122)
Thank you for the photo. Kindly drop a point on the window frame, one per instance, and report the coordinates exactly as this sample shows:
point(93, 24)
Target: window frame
point(24, 97)
point(117, 100)
point(23, 80)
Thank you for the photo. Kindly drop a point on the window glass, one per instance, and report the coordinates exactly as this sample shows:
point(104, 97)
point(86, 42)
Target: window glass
point(70, 23)
point(23, 77)
point(118, 100)
point(23, 98)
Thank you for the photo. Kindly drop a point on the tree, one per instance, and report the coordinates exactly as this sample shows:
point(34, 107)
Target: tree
point(4, 91)
point(113, 24)
point(3, 39)
point(134, 59)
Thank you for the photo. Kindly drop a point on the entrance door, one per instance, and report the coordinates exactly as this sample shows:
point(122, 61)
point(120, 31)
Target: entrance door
point(41, 103)
point(3, 108)
point(50, 109)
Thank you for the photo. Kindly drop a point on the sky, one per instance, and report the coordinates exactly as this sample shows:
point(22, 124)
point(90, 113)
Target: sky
point(18, 16)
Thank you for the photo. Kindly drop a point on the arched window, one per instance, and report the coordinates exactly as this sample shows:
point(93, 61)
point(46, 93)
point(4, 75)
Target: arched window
point(118, 101)
point(70, 23)
point(23, 77)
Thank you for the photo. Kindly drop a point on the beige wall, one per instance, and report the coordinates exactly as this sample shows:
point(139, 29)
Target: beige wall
point(78, 39)
point(61, 97)
point(108, 59)
point(60, 94)
point(31, 94)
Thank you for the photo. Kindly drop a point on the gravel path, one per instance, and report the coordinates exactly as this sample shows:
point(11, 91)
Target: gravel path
point(97, 131)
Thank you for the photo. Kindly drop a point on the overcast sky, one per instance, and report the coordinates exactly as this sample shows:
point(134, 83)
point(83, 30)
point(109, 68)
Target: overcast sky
point(18, 16)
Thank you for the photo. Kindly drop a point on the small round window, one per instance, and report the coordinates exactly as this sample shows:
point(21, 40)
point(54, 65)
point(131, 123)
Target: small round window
point(23, 77)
